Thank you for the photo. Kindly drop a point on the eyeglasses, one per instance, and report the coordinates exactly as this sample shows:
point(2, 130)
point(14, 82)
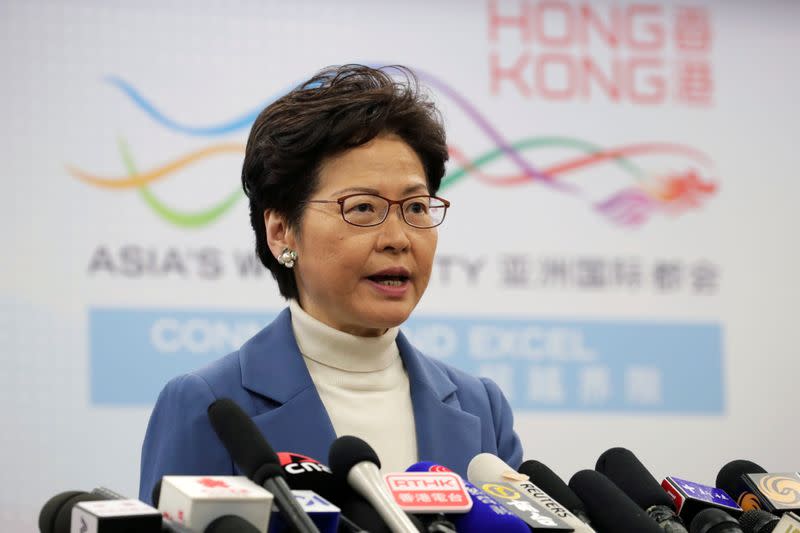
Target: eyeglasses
point(367, 210)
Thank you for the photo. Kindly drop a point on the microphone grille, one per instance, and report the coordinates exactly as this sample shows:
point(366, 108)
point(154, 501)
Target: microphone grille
point(711, 520)
point(758, 521)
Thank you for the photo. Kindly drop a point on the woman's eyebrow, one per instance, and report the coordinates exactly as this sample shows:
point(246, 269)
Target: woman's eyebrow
point(417, 187)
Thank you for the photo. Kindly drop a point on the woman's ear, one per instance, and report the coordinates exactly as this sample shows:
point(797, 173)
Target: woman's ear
point(279, 235)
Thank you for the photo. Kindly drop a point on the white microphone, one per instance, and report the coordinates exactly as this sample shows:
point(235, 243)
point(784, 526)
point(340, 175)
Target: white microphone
point(486, 469)
point(354, 461)
point(196, 502)
point(789, 523)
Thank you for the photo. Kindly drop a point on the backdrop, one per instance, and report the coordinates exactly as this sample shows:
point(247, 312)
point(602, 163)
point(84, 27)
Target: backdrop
point(618, 256)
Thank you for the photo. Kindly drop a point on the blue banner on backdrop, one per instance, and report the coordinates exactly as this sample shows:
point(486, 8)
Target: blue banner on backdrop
point(616, 366)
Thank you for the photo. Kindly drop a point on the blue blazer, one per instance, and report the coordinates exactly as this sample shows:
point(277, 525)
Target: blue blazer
point(456, 415)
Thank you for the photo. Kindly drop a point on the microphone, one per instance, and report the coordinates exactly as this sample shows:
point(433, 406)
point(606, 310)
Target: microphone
point(324, 514)
point(47, 516)
point(525, 499)
point(230, 524)
point(257, 460)
point(486, 514)
point(789, 523)
point(553, 485)
point(197, 501)
point(777, 492)
point(76, 510)
point(56, 515)
point(305, 473)
point(730, 479)
point(690, 498)
point(622, 467)
point(354, 461)
point(611, 509)
point(714, 520)
point(758, 521)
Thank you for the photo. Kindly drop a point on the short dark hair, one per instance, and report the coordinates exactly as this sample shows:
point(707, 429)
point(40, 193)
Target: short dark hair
point(338, 109)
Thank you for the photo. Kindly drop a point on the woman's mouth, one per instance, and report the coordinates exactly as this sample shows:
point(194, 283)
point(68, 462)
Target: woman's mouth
point(389, 281)
point(391, 285)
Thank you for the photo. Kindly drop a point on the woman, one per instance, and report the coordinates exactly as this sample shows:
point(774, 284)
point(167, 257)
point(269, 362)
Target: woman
point(341, 174)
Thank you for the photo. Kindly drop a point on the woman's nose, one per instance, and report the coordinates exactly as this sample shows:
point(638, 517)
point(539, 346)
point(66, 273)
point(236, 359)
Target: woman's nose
point(394, 230)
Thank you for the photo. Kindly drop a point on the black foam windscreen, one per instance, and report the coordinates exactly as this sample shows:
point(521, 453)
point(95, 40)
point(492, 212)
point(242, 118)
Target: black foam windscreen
point(241, 437)
point(729, 477)
point(230, 524)
point(63, 520)
point(713, 520)
point(758, 521)
point(622, 467)
point(554, 486)
point(346, 452)
point(47, 516)
point(610, 509)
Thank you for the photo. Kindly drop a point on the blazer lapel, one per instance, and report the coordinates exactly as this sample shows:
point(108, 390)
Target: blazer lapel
point(445, 434)
point(294, 420)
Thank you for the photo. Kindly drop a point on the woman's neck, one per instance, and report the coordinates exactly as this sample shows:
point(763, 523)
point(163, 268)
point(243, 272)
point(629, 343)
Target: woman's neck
point(338, 349)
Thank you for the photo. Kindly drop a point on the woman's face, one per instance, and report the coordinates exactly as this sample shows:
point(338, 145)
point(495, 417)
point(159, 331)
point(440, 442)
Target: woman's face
point(338, 263)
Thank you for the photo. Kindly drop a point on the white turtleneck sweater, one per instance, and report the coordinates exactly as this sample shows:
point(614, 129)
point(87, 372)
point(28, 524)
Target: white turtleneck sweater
point(363, 386)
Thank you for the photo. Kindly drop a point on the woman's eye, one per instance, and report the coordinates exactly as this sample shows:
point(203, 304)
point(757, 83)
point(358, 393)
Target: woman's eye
point(362, 208)
point(417, 207)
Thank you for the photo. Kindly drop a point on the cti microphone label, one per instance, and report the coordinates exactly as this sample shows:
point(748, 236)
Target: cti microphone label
point(429, 492)
point(682, 490)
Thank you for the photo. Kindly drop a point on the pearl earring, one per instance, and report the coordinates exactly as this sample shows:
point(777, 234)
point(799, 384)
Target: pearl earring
point(287, 258)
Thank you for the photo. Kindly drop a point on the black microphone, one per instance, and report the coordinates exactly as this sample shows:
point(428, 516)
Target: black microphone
point(255, 457)
point(610, 509)
point(758, 521)
point(713, 520)
point(730, 479)
point(305, 473)
point(355, 462)
point(56, 514)
point(47, 516)
point(230, 524)
point(548, 481)
point(622, 467)
point(106, 510)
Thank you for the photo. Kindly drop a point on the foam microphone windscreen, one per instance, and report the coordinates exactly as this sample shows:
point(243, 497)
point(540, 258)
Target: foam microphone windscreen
point(622, 467)
point(758, 521)
point(243, 440)
point(348, 451)
point(49, 512)
point(729, 479)
point(610, 509)
point(713, 520)
point(230, 524)
point(554, 486)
